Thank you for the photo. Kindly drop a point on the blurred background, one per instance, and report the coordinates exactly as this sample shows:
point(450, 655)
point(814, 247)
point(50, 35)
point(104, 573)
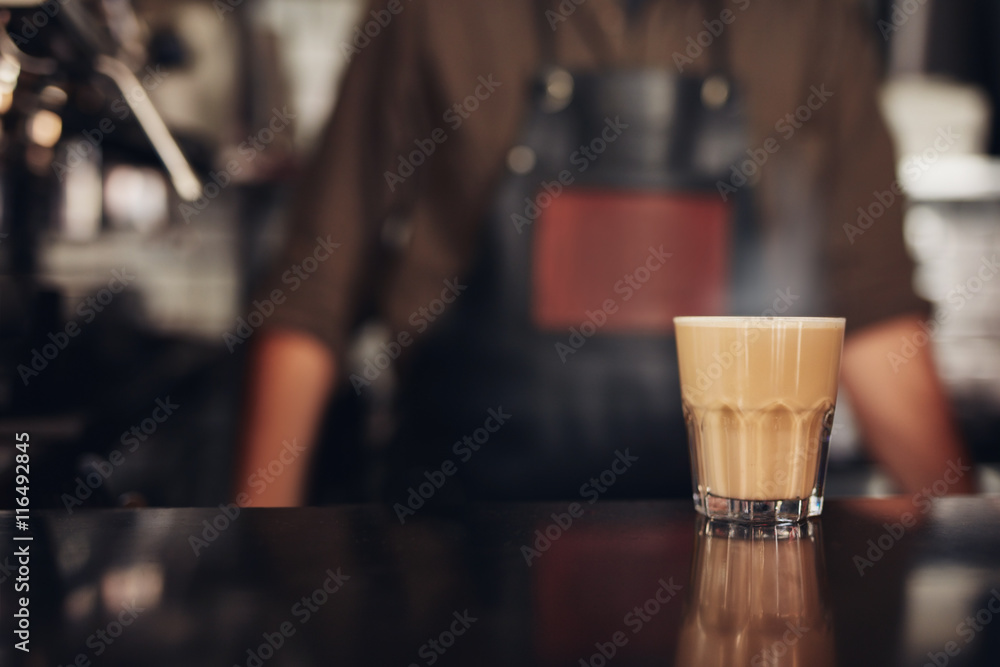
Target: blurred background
point(148, 154)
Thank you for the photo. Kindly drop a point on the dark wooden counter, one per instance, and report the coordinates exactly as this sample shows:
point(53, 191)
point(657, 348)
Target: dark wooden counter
point(875, 582)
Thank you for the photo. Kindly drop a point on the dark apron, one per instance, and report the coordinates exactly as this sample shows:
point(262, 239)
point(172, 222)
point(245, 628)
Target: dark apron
point(607, 224)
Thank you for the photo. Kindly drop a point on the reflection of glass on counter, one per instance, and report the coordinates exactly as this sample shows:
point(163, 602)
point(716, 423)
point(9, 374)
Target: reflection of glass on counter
point(758, 596)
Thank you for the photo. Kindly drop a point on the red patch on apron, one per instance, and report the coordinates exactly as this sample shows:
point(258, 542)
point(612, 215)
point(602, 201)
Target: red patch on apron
point(595, 247)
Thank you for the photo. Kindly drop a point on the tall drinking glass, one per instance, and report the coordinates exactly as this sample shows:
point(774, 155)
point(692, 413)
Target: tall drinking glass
point(759, 395)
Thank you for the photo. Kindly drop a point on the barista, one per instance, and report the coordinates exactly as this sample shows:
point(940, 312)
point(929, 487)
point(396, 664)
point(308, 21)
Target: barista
point(418, 201)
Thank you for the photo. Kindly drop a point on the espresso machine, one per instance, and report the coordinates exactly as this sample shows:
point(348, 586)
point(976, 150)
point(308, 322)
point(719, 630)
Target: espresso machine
point(121, 259)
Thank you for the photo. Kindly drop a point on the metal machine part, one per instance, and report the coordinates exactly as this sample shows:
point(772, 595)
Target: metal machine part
point(108, 57)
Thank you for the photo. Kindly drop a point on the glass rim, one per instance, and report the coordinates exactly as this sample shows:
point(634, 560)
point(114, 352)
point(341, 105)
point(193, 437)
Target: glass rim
point(756, 319)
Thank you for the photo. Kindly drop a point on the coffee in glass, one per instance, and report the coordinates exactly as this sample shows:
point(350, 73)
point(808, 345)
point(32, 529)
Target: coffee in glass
point(759, 396)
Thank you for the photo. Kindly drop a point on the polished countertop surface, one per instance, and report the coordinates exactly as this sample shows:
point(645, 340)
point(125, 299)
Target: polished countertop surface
point(897, 581)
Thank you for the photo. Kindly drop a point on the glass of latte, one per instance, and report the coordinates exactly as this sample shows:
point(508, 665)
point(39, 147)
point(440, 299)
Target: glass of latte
point(758, 396)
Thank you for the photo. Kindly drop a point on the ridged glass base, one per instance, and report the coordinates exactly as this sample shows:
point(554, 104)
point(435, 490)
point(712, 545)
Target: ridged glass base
point(758, 511)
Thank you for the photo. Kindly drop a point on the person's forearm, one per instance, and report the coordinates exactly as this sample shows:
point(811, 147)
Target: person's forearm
point(902, 409)
point(289, 381)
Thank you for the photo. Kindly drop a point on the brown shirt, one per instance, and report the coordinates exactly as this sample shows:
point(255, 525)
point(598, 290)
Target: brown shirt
point(402, 85)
